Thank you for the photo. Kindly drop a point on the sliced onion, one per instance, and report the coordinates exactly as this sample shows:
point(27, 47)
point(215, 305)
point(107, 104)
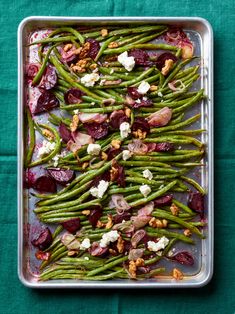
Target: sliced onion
point(129, 101)
point(108, 102)
point(119, 203)
point(92, 117)
point(138, 147)
point(172, 85)
point(137, 237)
point(134, 254)
point(96, 165)
point(146, 210)
point(81, 138)
point(140, 221)
point(160, 118)
point(125, 227)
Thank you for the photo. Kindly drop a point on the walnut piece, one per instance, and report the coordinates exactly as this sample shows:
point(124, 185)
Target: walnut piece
point(120, 245)
point(85, 165)
point(174, 209)
point(153, 88)
point(116, 144)
point(76, 68)
point(93, 66)
point(158, 223)
point(139, 134)
point(85, 50)
point(48, 134)
point(104, 32)
point(86, 212)
point(168, 65)
point(67, 47)
point(139, 262)
point(177, 274)
point(109, 224)
point(132, 269)
point(187, 233)
point(113, 44)
point(128, 112)
point(74, 123)
point(100, 224)
point(113, 174)
point(104, 156)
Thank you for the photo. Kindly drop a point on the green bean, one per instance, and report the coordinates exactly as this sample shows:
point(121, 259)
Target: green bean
point(53, 40)
point(194, 184)
point(140, 46)
point(155, 232)
point(31, 137)
point(106, 266)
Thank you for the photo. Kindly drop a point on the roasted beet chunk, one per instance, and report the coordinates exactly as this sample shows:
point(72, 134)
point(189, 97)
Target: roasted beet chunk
point(117, 117)
point(163, 200)
point(164, 147)
point(113, 152)
point(49, 79)
point(141, 57)
point(105, 176)
point(196, 202)
point(44, 240)
point(97, 130)
point(184, 258)
point(73, 96)
point(65, 133)
point(133, 92)
point(97, 250)
point(94, 216)
point(94, 47)
point(45, 184)
point(143, 102)
point(62, 176)
point(31, 70)
point(160, 63)
point(46, 102)
point(72, 225)
point(120, 217)
point(117, 173)
point(140, 124)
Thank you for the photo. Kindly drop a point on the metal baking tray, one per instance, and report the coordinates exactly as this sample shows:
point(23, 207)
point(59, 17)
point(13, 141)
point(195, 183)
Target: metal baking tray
point(201, 34)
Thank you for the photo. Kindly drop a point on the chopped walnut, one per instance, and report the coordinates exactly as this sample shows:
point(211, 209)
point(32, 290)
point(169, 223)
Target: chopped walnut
point(82, 63)
point(77, 51)
point(86, 212)
point(132, 269)
point(100, 224)
point(174, 210)
point(74, 123)
point(153, 88)
point(113, 174)
point(67, 47)
point(93, 66)
point(113, 252)
point(187, 233)
point(104, 156)
point(158, 223)
point(110, 59)
point(72, 253)
point(168, 65)
point(76, 68)
point(48, 134)
point(128, 112)
point(139, 134)
point(113, 44)
point(104, 32)
point(85, 165)
point(109, 224)
point(114, 82)
point(85, 50)
point(120, 245)
point(177, 274)
point(116, 143)
point(139, 262)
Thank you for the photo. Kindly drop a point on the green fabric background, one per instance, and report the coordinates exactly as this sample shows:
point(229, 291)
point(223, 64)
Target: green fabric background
point(219, 295)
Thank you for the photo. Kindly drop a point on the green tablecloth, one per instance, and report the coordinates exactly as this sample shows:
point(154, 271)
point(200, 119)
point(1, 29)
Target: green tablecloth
point(216, 297)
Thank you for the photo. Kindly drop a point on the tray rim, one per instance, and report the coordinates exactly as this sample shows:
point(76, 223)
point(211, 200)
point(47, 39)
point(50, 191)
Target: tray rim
point(115, 284)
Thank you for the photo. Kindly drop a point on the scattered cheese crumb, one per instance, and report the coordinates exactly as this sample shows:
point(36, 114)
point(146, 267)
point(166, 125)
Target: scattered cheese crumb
point(127, 62)
point(147, 174)
point(145, 189)
point(157, 246)
point(160, 94)
point(89, 79)
point(86, 244)
point(76, 111)
point(86, 258)
point(125, 129)
point(93, 149)
point(126, 154)
point(143, 87)
point(46, 148)
point(56, 160)
point(100, 189)
point(108, 237)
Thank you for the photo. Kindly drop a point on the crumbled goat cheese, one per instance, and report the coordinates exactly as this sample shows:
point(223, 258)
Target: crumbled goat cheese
point(108, 237)
point(160, 94)
point(56, 160)
point(125, 129)
point(127, 62)
point(126, 154)
point(46, 148)
point(93, 149)
point(147, 174)
point(143, 87)
point(145, 189)
point(100, 189)
point(76, 111)
point(157, 246)
point(89, 79)
point(102, 82)
point(86, 258)
point(86, 244)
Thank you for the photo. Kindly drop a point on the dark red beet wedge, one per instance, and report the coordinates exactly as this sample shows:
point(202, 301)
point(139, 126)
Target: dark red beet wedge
point(72, 225)
point(120, 217)
point(164, 147)
point(141, 57)
point(160, 63)
point(45, 184)
point(163, 200)
point(46, 102)
point(44, 240)
point(65, 133)
point(142, 102)
point(116, 118)
point(133, 92)
point(94, 47)
point(62, 176)
point(97, 130)
point(113, 152)
point(196, 202)
point(141, 124)
point(94, 216)
point(49, 79)
point(184, 258)
point(31, 70)
point(73, 96)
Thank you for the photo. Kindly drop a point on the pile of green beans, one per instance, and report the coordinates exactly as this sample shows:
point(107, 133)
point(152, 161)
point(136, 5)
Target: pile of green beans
point(171, 170)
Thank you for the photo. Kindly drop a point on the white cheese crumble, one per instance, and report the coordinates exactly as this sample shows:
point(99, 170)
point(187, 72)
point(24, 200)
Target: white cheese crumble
point(56, 160)
point(127, 62)
point(160, 94)
point(93, 103)
point(89, 79)
point(125, 129)
point(100, 189)
point(157, 246)
point(93, 149)
point(111, 71)
point(102, 82)
point(86, 244)
point(108, 237)
point(145, 189)
point(126, 154)
point(143, 87)
point(46, 148)
point(76, 111)
point(86, 258)
point(147, 174)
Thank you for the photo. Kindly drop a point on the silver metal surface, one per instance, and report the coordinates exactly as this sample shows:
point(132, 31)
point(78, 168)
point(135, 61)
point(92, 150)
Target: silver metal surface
point(201, 34)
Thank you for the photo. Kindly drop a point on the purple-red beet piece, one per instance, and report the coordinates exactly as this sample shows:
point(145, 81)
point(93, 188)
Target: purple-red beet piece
point(143, 102)
point(184, 258)
point(97, 130)
point(160, 63)
point(46, 102)
point(97, 250)
point(113, 152)
point(45, 184)
point(65, 133)
point(120, 217)
point(61, 176)
point(141, 57)
point(196, 202)
point(163, 200)
point(73, 96)
point(116, 118)
point(44, 240)
point(164, 147)
point(141, 124)
point(105, 176)
point(31, 70)
point(119, 175)
point(94, 216)
point(133, 92)
point(49, 79)
point(72, 225)
point(94, 47)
